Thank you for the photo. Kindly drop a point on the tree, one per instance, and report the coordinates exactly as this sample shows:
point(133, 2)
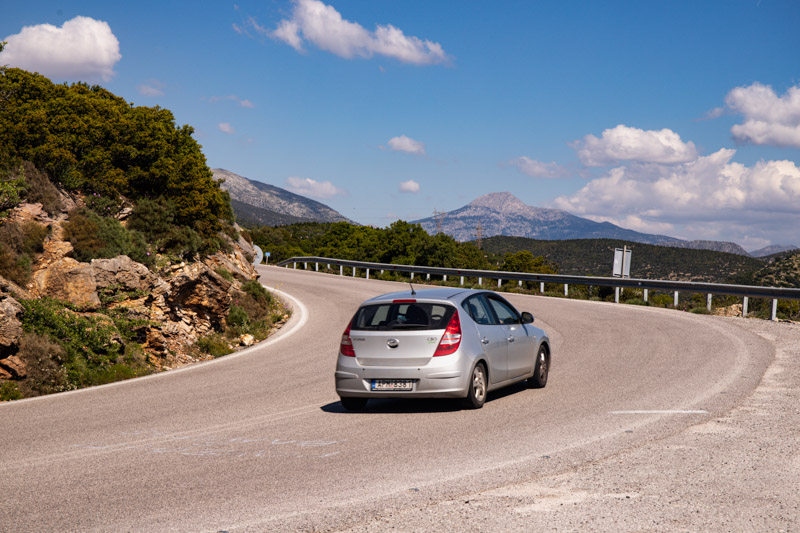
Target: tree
point(89, 140)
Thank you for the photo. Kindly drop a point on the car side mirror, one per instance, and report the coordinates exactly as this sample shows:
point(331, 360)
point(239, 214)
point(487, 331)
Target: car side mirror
point(527, 318)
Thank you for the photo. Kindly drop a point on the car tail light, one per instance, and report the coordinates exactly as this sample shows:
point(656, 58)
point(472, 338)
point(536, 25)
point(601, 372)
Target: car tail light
point(451, 338)
point(346, 346)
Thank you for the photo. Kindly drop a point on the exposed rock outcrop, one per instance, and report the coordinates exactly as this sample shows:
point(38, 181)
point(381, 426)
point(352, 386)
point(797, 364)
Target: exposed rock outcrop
point(177, 304)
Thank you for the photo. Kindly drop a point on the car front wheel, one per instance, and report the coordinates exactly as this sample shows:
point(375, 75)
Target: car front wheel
point(540, 370)
point(476, 396)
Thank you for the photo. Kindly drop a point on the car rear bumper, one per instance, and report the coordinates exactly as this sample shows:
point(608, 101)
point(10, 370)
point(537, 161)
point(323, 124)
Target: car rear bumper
point(439, 379)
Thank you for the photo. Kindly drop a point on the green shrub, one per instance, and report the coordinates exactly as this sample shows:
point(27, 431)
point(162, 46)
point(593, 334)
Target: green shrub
point(43, 358)
point(96, 237)
point(699, 311)
point(258, 292)
point(237, 317)
point(19, 245)
point(39, 188)
point(224, 273)
point(636, 301)
point(89, 342)
point(216, 345)
point(9, 391)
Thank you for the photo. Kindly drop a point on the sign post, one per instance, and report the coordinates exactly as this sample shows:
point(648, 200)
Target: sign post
point(622, 267)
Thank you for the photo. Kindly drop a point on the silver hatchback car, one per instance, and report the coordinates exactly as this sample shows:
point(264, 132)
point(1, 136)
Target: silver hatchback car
point(438, 343)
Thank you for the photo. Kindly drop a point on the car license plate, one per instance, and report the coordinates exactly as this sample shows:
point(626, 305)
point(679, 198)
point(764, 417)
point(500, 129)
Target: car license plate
point(392, 384)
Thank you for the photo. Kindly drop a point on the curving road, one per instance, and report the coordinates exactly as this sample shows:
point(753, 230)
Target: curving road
point(257, 441)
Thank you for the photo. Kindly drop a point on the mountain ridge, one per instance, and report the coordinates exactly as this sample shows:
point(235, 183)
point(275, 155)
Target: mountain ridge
point(502, 213)
point(271, 203)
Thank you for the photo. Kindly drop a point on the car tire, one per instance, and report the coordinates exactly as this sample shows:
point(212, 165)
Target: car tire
point(540, 370)
point(476, 394)
point(354, 404)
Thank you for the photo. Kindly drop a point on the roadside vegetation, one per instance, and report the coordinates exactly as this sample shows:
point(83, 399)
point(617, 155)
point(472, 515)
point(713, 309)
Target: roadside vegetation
point(131, 182)
point(408, 244)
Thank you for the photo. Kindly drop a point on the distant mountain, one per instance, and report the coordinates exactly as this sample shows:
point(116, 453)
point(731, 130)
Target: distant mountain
point(502, 213)
point(250, 215)
point(717, 246)
point(772, 250)
point(270, 204)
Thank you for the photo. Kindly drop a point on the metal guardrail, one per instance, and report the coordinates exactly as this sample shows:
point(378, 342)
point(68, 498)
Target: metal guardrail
point(676, 287)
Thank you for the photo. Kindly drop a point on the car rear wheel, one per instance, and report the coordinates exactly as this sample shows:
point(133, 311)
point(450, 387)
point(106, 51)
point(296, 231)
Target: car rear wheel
point(540, 370)
point(476, 396)
point(354, 404)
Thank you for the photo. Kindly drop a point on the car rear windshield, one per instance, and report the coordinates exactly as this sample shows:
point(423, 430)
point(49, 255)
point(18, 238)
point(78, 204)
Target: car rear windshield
point(416, 315)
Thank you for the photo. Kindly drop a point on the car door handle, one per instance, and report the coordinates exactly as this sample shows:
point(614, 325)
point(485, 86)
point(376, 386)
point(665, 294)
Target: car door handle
point(510, 338)
point(485, 340)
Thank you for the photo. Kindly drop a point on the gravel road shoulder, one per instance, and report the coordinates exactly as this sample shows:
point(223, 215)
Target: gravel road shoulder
point(738, 472)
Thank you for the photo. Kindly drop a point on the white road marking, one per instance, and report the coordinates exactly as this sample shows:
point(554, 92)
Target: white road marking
point(663, 412)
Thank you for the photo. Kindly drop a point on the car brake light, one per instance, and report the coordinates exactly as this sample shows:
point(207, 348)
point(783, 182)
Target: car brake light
point(451, 338)
point(404, 301)
point(346, 346)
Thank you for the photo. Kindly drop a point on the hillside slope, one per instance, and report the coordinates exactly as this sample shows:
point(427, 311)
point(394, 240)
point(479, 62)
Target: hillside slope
point(272, 201)
point(594, 257)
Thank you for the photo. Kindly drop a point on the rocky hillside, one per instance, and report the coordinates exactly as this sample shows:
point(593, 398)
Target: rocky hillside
point(270, 205)
point(119, 255)
point(159, 314)
point(784, 272)
point(502, 213)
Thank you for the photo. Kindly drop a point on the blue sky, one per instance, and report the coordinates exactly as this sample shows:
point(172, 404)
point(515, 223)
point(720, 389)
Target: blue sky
point(680, 118)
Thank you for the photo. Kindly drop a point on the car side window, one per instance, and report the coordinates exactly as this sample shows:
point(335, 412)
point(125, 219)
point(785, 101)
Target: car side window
point(475, 306)
point(505, 313)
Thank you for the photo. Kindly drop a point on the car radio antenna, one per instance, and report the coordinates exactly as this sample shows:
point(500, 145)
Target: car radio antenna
point(413, 292)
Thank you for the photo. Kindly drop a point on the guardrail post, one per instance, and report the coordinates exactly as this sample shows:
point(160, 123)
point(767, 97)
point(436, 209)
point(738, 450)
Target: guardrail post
point(616, 295)
point(645, 295)
point(541, 287)
point(519, 283)
point(428, 277)
point(341, 270)
point(295, 265)
point(462, 281)
point(566, 290)
point(775, 309)
point(745, 301)
point(412, 276)
point(381, 272)
point(305, 265)
point(708, 302)
point(445, 277)
point(354, 271)
point(480, 281)
point(316, 267)
point(675, 300)
point(499, 282)
point(367, 273)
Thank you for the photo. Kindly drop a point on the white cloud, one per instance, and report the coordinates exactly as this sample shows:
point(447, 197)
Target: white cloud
point(233, 98)
point(710, 197)
point(538, 169)
point(768, 119)
point(151, 88)
point(624, 143)
point(409, 186)
point(225, 127)
point(320, 24)
point(83, 48)
point(407, 144)
point(313, 188)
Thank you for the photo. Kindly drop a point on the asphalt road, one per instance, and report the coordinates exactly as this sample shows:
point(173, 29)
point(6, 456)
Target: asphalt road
point(257, 441)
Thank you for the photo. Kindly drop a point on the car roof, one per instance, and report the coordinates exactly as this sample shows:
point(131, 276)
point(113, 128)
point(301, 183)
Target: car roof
point(454, 294)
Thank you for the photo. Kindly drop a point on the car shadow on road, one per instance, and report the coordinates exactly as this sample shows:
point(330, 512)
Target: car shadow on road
point(420, 405)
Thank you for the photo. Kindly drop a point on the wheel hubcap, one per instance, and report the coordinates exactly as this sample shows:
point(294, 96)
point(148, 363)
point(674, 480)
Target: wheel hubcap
point(542, 365)
point(478, 383)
